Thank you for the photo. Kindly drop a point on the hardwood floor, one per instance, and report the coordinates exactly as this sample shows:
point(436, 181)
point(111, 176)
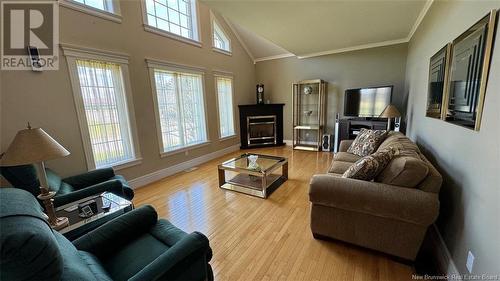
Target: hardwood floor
point(257, 239)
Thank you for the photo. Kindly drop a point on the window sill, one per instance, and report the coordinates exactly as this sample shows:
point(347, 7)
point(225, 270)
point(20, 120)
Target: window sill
point(228, 137)
point(183, 149)
point(170, 35)
point(124, 164)
point(224, 52)
point(91, 11)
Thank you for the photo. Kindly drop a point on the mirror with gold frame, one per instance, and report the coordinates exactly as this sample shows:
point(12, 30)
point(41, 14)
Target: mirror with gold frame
point(438, 77)
point(469, 68)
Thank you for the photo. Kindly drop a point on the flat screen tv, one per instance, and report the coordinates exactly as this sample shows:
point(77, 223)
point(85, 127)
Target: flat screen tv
point(367, 102)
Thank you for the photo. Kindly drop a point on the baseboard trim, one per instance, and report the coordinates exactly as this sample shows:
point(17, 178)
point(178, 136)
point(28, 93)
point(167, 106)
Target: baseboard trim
point(444, 261)
point(288, 142)
point(160, 174)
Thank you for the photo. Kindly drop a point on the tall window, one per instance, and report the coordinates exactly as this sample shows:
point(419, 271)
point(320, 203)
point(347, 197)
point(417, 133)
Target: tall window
point(110, 6)
point(220, 39)
point(174, 16)
point(225, 105)
point(181, 109)
point(106, 113)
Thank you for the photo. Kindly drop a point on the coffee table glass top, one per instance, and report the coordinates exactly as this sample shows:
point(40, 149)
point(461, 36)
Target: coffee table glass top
point(265, 163)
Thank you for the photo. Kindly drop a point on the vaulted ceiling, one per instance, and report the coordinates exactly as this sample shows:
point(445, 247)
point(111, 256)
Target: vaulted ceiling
point(308, 28)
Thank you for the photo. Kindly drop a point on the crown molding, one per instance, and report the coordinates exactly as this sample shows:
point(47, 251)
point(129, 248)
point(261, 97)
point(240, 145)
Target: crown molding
point(420, 18)
point(275, 57)
point(355, 48)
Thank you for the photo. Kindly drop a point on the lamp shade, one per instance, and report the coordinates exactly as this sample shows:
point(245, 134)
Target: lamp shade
point(390, 112)
point(32, 146)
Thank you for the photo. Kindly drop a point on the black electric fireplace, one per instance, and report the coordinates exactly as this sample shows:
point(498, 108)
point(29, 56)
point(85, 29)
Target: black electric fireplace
point(261, 125)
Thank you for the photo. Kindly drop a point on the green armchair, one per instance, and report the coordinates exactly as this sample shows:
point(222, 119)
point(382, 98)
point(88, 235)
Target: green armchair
point(134, 246)
point(68, 189)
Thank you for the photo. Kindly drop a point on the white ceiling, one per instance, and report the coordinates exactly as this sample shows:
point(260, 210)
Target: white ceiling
point(305, 28)
point(259, 47)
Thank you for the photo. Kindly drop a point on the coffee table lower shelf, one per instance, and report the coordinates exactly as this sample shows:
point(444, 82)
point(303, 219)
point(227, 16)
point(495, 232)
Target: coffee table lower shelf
point(252, 185)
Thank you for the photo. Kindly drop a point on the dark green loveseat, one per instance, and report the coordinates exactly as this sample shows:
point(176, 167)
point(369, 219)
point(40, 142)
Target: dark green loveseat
point(134, 246)
point(69, 189)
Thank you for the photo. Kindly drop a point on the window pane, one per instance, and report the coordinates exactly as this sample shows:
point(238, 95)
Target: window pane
point(173, 4)
point(175, 29)
point(225, 103)
point(105, 108)
point(181, 108)
point(220, 39)
point(184, 7)
point(105, 5)
point(175, 15)
point(99, 4)
point(161, 11)
point(185, 32)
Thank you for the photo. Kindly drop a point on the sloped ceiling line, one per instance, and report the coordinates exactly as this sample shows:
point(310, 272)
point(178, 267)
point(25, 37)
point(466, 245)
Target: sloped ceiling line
point(237, 35)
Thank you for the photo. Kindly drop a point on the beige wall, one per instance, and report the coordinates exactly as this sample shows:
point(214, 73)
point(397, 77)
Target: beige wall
point(46, 99)
point(469, 160)
point(370, 67)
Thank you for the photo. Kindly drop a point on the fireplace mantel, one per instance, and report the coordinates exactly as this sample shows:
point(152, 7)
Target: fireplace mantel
point(255, 110)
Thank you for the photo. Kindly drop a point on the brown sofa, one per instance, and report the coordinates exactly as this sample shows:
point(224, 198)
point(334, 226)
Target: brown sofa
point(390, 214)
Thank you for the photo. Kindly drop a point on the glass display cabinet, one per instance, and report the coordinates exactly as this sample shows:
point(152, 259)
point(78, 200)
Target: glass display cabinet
point(309, 114)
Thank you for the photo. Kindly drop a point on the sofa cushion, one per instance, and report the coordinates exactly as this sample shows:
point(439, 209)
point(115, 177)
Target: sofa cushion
point(401, 142)
point(339, 167)
point(26, 239)
point(146, 246)
point(367, 142)
point(346, 157)
point(404, 171)
point(368, 167)
point(22, 175)
point(433, 180)
point(78, 265)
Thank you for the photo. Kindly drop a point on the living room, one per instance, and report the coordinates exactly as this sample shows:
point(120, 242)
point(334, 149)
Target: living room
point(235, 140)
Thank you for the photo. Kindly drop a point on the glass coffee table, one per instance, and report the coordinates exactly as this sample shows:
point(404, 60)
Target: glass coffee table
point(84, 217)
point(257, 178)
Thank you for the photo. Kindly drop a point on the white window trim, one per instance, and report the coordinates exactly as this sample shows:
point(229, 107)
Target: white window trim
point(194, 42)
point(114, 16)
point(222, 51)
point(224, 74)
point(72, 53)
point(170, 66)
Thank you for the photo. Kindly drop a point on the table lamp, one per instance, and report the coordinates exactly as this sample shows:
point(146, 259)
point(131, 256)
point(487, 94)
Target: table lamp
point(35, 146)
point(390, 112)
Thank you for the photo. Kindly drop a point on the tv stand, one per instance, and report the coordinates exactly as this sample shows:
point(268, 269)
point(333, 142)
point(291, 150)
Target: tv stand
point(349, 128)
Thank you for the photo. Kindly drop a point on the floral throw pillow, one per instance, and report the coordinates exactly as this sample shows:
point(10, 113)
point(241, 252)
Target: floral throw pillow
point(367, 142)
point(368, 167)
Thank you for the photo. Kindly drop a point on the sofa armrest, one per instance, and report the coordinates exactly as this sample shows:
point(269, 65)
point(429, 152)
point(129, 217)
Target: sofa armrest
point(191, 247)
point(113, 186)
point(111, 236)
point(90, 178)
point(377, 199)
point(344, 145)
